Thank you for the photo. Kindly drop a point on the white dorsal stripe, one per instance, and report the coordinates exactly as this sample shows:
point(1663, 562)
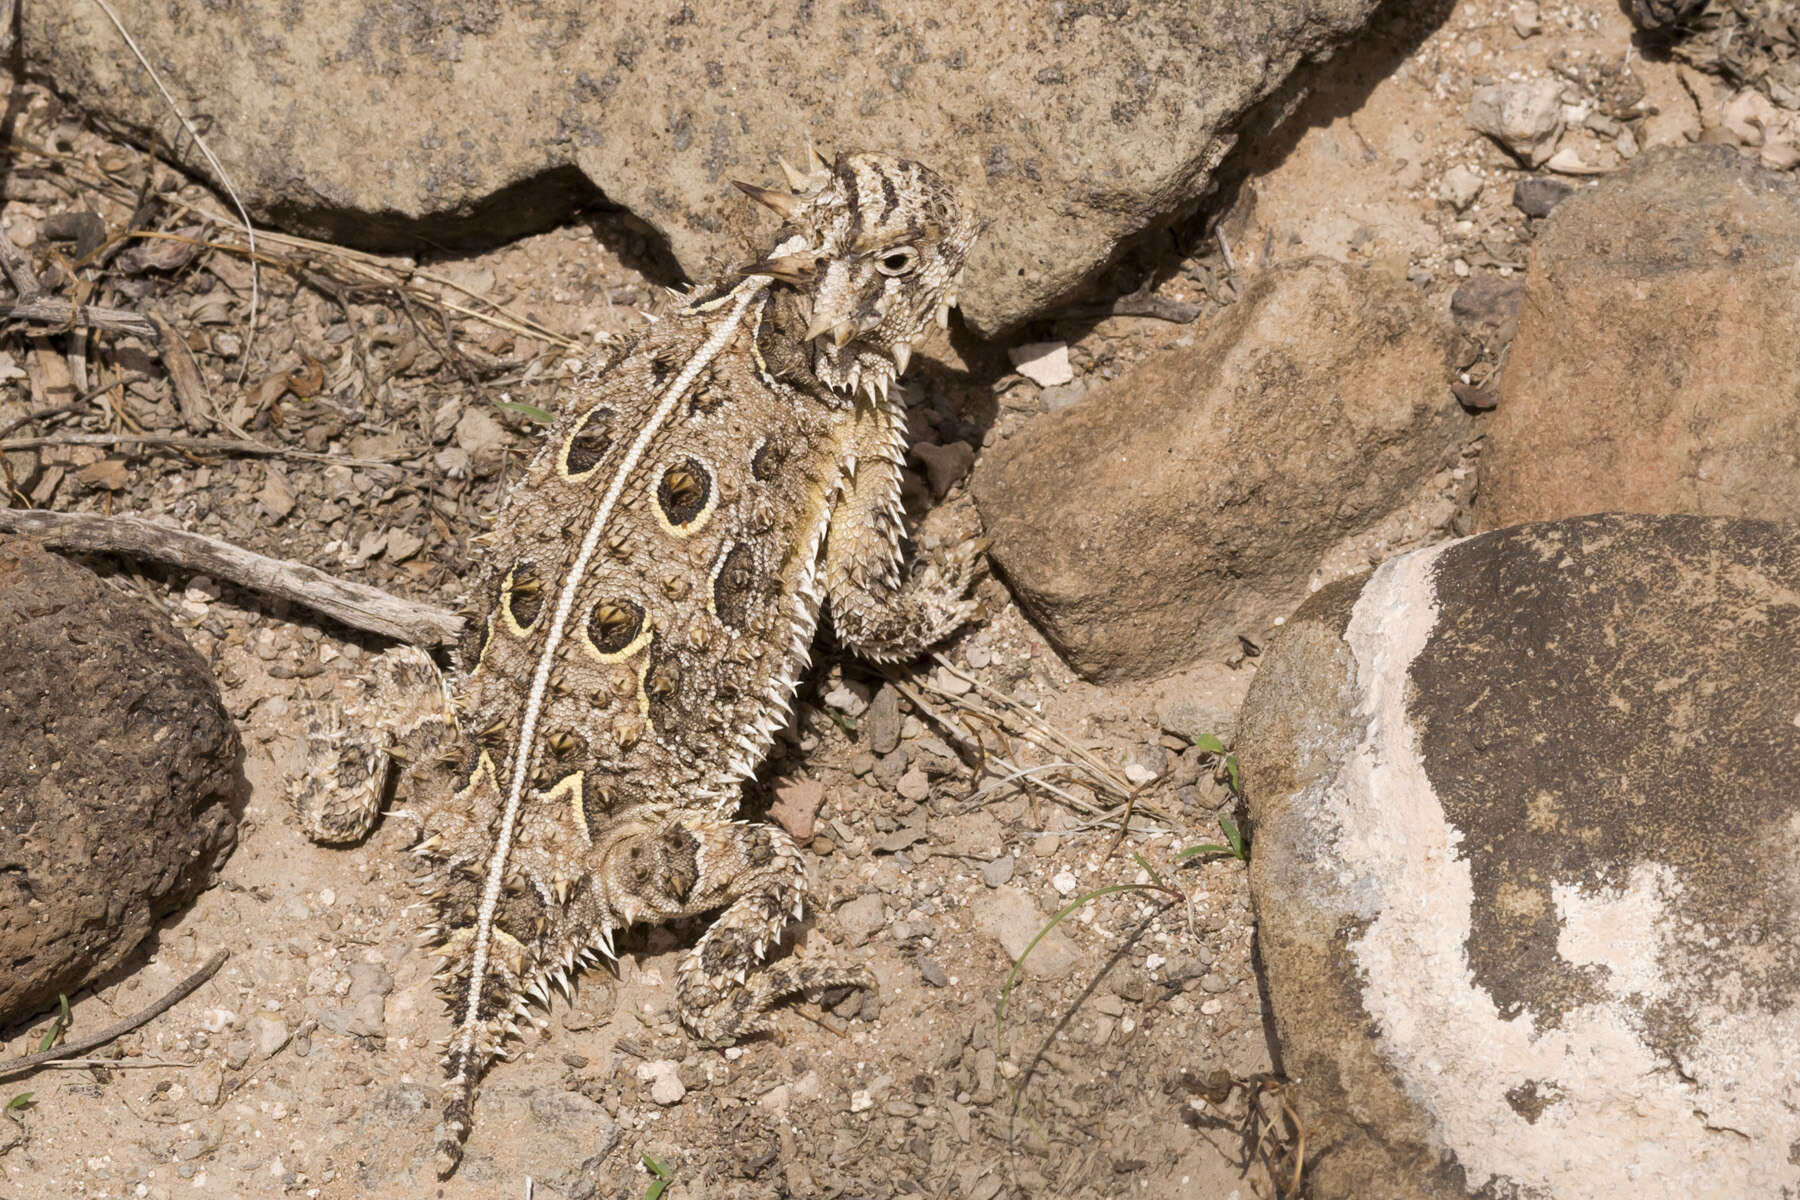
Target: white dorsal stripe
point(747, 294)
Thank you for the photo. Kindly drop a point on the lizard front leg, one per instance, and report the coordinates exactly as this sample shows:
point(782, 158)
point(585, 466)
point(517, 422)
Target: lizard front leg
point(878, 612)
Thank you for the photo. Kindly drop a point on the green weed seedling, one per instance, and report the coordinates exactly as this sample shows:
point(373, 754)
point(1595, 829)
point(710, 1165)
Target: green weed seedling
point(20, 1102)
point(62, 1022)
point(663, 1178)
point(1236, 845)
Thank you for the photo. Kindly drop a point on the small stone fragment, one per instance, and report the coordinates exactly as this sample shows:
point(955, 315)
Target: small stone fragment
point(998, 871)
point(483, 439)
point(1780, 155)
point(208, 1084)
point(933, 974)
point(1536, 197)
point(882, 722)
point(1009, 916)
point(1462, 186)
point(1044, 363)
point(367, 1017)
point(1065, 883)
point(1568, 161)
point(1524, 117)
point(664, 1079)
point(1060, 397)
point(945, 466)
point(1192, 721)
point(913, 785)
point(862, 918)
point(269, 1033)
point(796, 807)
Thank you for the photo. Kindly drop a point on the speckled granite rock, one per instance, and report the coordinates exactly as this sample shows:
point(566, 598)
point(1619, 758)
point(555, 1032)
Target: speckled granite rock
point(1525, 863)
point(1201, 495)
point(1657, 358)
point(120, 778)
point(386, 125)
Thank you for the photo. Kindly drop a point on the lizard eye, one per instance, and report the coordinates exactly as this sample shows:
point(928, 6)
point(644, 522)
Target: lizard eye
point(898, 261)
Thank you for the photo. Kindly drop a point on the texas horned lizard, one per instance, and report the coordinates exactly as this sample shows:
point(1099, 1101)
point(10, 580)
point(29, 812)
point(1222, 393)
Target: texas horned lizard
point(646, 604)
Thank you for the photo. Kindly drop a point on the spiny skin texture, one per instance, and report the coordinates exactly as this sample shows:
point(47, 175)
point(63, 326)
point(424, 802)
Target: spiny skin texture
point(646, 605)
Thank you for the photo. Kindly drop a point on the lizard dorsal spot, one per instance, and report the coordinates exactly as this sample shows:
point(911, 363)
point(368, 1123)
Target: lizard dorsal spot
point(522, 597)
point(767, 459)
point(616, 630)
point(734, 589)
point(477, 635)
point(588, 443)
point(686, 496)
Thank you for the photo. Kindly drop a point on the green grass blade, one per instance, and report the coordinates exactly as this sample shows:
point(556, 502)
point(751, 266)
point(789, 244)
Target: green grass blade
point(1234, 835)
point(528, 410)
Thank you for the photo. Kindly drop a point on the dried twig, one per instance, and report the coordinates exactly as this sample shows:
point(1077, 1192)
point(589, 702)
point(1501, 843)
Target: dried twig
point(191, 396)
point(40, 414)
point(24, 282)
point(50, 310)
point(198, 445)
point(181, 991)
point(354, 604)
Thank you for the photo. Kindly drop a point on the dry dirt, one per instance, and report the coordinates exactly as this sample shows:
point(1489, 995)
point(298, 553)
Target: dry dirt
point(306, 1066)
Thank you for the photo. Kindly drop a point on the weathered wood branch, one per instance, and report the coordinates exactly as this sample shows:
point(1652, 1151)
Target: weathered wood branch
point(55, 311)
point(354, 604)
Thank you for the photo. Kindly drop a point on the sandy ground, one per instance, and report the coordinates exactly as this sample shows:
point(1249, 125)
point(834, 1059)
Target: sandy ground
point(306, 1066)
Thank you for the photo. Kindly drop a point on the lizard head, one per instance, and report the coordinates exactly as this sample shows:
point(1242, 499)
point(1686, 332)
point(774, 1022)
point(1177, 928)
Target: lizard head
point(876, 245)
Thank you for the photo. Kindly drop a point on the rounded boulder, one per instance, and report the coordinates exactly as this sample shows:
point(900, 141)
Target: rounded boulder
point(1525, 860)
point(121, 779)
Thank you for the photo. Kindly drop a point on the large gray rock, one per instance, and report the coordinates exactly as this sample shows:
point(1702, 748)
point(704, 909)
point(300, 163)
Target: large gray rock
point(1657, 358)
point(390, 125)
point(1200, 495)
point(120, 776)
point(1525, 863)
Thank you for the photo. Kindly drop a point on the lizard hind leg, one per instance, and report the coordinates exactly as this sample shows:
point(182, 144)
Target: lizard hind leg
point(757, 875)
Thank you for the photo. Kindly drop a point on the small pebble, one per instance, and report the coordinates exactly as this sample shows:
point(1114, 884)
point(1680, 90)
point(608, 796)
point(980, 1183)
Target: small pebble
point(1044, 363)
point(933, 974)
point(998, 871)
point(269, 1033)
point(663, 1076)
point(913, 785)
point(1065, 883)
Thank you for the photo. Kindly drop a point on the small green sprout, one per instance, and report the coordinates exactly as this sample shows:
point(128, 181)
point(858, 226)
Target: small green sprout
point(663, 1178)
